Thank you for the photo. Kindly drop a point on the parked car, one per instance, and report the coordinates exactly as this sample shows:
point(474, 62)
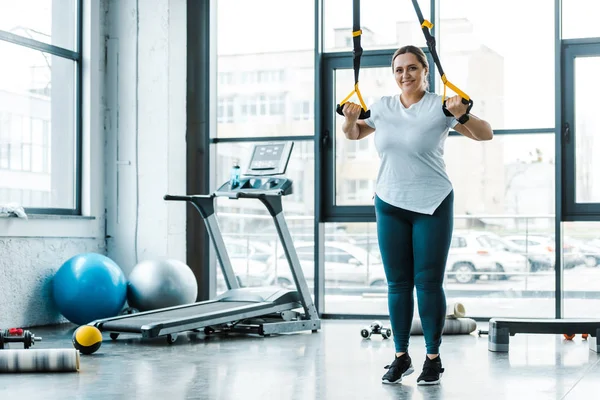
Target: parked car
point(249, 261)
point(345, 265)
point(539, 245)
point(473, 255)
point(589, 250)
point(537, 262)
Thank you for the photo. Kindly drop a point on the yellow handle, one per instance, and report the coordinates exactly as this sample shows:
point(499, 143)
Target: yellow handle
point(454, 88)
point(360, 99)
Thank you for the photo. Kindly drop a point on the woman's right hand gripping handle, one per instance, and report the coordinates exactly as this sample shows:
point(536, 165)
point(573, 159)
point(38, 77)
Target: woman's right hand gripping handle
point(352, 127)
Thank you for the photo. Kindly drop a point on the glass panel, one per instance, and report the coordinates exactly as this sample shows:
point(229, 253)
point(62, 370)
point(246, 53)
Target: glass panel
point(265, 81)
point(48, 21)
point(385, 24)
point(37, 125)
point(355, 282)
point(504, 209)
point(587, 130)
point(252, 242)
point(478, 54)
point(357, 161)
point(581, 278)
point(574, 19)
point(501, 260)
point(511, 174)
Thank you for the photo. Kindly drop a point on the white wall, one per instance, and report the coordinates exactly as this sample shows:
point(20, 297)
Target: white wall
point(145, 129)
point(134, 91)
point(33, 249)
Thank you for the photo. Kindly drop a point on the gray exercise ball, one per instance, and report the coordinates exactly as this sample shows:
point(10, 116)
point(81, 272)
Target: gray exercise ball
point(157, 284)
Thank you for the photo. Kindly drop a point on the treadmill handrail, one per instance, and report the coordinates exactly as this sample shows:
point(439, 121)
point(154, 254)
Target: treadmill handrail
point(257, 194)
point(188, 197)
point(205, 206)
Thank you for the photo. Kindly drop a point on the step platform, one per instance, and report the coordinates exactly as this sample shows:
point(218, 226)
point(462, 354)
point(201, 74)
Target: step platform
point(501, 329)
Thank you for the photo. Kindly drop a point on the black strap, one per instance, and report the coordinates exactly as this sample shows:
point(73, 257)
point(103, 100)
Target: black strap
point(430, 39)
point(357, 51)
point(356, 56)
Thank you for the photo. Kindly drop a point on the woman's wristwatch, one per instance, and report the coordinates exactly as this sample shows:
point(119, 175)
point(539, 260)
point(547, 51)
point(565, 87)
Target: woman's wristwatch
point(463, 119)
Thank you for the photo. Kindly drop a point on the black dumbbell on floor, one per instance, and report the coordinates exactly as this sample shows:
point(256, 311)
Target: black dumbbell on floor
point(18, 335)
point(376, 328)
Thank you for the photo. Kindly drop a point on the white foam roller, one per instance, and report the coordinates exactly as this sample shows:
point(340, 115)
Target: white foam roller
point(39, 360)
point(455, 310)
point(452, 326)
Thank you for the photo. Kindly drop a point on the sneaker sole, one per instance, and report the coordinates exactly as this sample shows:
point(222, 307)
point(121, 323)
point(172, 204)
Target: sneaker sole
point(428, 383)
point(408, 372)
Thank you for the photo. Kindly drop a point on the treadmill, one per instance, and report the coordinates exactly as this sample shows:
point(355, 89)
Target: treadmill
point(258, 310)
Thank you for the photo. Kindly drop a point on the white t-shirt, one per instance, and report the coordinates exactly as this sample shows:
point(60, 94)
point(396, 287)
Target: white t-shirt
point(410, 143)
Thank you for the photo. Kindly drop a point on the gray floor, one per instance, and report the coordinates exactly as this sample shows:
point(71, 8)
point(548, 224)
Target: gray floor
point(335, 363)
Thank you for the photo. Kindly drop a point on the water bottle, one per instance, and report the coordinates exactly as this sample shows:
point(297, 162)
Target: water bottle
point(234, 179)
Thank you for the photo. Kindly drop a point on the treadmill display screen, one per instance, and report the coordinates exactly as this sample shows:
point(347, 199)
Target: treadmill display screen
point(266, 156)
point(270, 159)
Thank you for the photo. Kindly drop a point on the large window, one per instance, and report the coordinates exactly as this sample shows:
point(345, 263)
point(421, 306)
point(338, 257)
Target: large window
point(51, 22)
point(264, 89)
point(265, 68)
point(504, 203)
point(39, 105)
point(355, 161)
point(581, 280)
point(575, 13)
point(509, 72)
point(502, 260)
point(251, 239)
point(384, 23)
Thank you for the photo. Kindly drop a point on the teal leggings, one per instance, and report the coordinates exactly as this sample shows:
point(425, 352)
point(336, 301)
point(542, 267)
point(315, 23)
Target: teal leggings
point(414, 249)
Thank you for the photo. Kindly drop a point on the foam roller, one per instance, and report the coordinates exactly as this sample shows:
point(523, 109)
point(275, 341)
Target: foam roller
point(39, 360)
point(455, 310)
point(452, 326)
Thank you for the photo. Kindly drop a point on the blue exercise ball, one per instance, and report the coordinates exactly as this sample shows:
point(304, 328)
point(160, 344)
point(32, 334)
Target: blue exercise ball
point(89, 286)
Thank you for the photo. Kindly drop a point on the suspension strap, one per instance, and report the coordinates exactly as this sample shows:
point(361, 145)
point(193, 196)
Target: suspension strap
point(356, 55)
point(425, 27)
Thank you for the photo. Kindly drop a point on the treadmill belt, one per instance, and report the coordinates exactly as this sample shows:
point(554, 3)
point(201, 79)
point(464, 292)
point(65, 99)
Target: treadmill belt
point(133, 322)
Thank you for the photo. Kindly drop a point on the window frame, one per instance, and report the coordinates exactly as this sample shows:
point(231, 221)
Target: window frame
point(76, 57)
point(322, 148)
point(327, 210)
point(571, 51)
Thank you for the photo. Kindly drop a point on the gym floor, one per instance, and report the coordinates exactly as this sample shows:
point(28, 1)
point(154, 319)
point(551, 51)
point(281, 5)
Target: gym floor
point(335, 363)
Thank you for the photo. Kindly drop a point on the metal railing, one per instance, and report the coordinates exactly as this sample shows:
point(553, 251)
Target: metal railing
point(517, 282)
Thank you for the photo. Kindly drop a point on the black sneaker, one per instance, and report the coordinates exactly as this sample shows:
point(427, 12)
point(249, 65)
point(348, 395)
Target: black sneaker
point(401, 366)
point(432, 372)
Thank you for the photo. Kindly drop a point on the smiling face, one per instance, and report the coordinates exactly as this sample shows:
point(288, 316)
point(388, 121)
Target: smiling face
point(410, 71)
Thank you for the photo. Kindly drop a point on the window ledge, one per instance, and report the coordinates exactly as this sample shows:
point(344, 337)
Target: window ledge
point(47, 216)
point(50, 226)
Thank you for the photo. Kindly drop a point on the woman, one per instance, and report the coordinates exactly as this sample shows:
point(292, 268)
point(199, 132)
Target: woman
point(414, 202)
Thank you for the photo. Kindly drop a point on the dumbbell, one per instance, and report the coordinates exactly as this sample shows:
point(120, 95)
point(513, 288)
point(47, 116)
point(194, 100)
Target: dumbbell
point(18, 335)
point(376, 328)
